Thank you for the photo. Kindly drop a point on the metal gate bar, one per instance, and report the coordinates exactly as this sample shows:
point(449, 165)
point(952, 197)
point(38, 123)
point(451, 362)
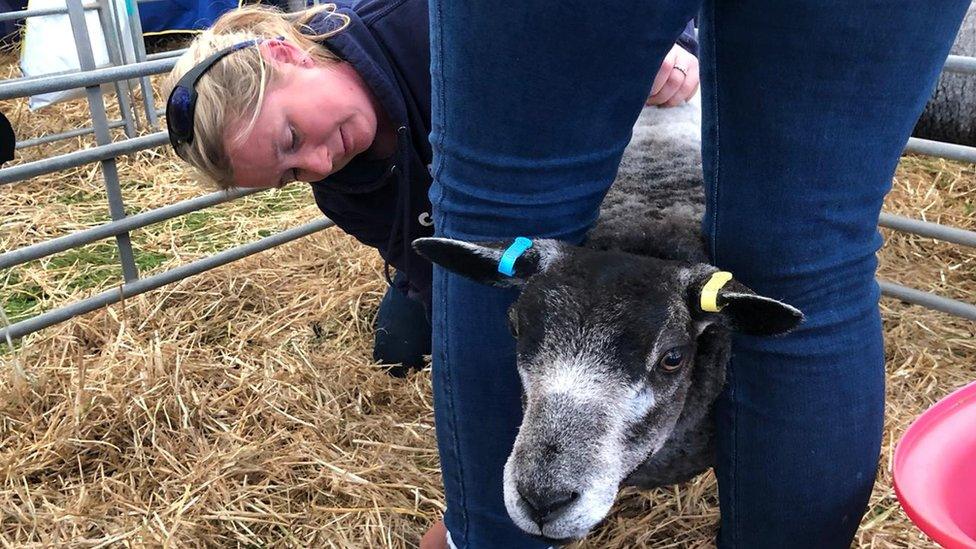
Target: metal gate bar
point(139, 45)
point(23, 14)
point(949, 151)
point(165, 54)
point(96, 105)
point(130, 223)
point(960, 64)
point(64, 135)
point(14, 174)
point(142, 285)
point(105, 153)
point(931, 230)
point(44, 84)
point(926, 299)
point(113, 46)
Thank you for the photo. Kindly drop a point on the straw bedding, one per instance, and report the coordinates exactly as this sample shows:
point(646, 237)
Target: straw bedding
point(241, 407)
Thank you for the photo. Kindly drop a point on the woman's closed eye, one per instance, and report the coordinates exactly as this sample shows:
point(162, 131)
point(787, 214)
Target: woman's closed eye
point(290, 174)
point(293, 139)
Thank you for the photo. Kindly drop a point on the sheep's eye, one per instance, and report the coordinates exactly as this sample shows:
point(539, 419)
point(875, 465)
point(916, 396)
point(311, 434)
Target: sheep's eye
point(673, 360)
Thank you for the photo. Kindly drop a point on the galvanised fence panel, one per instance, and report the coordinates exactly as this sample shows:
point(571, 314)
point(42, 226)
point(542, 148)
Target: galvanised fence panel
point(105, 154)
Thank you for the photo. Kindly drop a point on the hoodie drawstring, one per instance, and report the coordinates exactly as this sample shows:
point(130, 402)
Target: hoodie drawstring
point(402, 219)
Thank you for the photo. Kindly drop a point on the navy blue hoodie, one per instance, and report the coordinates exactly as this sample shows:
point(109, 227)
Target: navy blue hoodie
point(383, 203)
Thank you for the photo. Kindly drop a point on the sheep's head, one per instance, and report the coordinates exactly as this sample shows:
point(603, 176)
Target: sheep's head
point(607, 345)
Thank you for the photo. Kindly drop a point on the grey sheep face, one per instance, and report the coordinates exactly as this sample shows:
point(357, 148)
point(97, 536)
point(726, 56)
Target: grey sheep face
point(606, 344)
point(607, 351)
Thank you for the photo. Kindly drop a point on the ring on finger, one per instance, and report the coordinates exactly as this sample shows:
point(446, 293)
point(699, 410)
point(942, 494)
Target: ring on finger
point(683, 70)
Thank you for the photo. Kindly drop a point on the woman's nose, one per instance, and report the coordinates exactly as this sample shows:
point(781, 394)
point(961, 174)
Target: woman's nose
point(315, 166)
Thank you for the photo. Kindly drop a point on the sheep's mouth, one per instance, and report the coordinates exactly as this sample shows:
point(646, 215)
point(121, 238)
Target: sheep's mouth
point(555, 542)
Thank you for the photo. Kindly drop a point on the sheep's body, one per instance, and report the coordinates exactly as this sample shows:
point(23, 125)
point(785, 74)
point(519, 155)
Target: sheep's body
point(655, 205)
point(654, 209)
point(619, 364)
point(950, 114)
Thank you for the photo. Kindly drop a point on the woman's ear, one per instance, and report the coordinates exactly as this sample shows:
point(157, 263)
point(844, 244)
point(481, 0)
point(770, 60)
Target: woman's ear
point(283, 52)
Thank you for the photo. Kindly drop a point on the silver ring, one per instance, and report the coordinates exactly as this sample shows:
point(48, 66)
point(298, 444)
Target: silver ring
point(683, 70)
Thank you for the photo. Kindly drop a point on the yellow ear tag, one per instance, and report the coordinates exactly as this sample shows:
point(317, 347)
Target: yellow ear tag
point(709, 293)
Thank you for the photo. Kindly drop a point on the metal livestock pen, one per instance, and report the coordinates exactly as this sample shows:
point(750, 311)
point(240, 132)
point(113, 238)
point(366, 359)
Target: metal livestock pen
point(121, 225)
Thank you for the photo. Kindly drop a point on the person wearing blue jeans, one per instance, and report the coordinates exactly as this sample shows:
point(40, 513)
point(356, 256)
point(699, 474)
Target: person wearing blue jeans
point(806, 108)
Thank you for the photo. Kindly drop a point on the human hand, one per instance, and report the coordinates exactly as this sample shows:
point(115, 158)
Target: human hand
point(436, 537)
point(676, 80)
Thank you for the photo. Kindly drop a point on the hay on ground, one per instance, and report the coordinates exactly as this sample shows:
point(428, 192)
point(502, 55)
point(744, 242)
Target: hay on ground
point(241, 406)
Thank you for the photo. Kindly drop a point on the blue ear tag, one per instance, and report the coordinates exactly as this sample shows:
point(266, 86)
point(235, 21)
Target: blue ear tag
point(506, 265)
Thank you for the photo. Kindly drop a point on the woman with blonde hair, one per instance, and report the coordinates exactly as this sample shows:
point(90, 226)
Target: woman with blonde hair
point(264, 98)
point(338, 96)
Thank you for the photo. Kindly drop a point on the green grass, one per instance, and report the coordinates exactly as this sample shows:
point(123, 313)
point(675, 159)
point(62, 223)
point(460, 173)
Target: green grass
point(149, 261)
point(194, 221)
point(78, 196)
point(92, 267)
point(19, 306)
point(47, 283)
point(287, 199)
point(87, 267)
point(202, 232)
point(198, 232)
point(21, 300)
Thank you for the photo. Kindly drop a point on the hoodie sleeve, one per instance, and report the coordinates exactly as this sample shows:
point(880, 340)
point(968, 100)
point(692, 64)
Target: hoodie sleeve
point(688, 39)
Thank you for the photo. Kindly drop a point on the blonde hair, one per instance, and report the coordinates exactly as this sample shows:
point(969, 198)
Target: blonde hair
point(233, 89)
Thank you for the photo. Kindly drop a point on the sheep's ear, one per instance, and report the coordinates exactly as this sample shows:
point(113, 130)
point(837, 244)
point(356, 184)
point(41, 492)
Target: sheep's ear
point(479, 260)
point(745, 311)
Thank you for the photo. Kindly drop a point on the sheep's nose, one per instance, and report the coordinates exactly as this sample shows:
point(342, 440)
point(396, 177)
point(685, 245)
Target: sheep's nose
point(545, 504)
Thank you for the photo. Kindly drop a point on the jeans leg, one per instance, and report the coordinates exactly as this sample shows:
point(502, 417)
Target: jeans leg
point(533, 104)
point(402, 331)
point(807, 106)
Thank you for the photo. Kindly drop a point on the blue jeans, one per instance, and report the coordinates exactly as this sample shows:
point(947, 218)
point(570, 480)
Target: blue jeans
point(402, 331)
point(806, 108)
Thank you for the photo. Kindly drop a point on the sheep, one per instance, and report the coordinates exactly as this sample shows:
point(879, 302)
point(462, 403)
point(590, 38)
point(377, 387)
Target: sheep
point(618, 361)
point(950, 114)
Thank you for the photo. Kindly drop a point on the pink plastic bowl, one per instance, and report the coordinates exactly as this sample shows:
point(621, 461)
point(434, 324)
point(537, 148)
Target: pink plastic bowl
point(935, 470)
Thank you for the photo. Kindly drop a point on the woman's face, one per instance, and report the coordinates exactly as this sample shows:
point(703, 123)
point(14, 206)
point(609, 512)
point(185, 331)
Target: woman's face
point(313, 121)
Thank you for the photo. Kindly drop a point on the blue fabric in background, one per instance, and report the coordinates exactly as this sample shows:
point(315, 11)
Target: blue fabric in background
point(164, 15)
point(8, 29)
point(156, 16)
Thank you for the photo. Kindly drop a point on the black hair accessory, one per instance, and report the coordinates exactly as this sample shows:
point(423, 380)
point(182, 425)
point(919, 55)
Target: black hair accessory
point(182, 102)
